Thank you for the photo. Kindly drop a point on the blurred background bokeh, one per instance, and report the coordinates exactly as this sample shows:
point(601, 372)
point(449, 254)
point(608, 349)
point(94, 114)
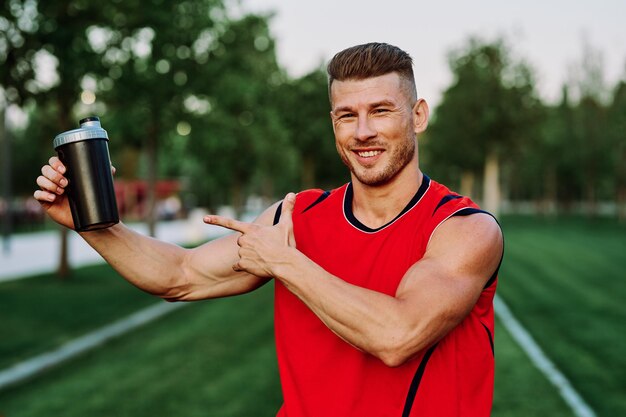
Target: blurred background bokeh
point(222, 106)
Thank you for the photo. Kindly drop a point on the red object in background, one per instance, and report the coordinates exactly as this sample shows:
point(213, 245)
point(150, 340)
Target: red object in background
point(132, 194)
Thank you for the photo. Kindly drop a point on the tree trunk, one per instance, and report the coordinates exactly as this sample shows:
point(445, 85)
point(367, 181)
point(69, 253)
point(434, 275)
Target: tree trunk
point(592, 201)
point(467, 183)
point(550, 191)
point(237, 198)
point(491, 184)
point(308, 172)
point(7, 195)
point(620, 180)
point(152, 161)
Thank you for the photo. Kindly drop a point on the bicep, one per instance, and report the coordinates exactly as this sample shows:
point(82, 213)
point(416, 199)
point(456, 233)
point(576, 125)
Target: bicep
point(209, 268)
point(443, 287)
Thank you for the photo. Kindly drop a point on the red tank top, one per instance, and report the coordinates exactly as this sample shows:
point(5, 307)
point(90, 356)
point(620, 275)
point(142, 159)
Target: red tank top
point(323, 376)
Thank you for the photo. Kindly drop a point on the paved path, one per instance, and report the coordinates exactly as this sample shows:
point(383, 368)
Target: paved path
point(35, 253)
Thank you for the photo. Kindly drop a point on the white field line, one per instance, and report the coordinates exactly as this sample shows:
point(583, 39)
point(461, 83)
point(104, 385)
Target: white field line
point(31, 367)
point(541, 361)
point(38, 364)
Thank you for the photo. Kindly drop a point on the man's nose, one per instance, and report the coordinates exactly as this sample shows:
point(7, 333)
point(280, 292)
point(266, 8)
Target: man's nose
point(365, 129)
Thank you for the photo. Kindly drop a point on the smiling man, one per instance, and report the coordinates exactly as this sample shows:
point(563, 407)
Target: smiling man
point(383, 286)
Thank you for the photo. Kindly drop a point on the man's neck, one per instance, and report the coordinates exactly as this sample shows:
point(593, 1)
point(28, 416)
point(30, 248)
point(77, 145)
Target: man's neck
point(375, 206)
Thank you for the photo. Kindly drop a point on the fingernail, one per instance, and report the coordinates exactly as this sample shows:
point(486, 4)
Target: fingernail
point(51, 197)
point(60, 190)
point(62, 169)
point(63, 182)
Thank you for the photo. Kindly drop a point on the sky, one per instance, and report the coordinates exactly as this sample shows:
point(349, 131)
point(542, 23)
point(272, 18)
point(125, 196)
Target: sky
point(548, 34)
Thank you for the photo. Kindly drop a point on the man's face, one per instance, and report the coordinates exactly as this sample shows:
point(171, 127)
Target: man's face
point(375, 127)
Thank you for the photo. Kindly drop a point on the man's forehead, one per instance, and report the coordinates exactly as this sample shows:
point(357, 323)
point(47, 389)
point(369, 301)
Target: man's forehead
point(385, 87)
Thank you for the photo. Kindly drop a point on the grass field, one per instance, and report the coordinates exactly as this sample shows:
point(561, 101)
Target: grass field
point(565, 281)
point(217, 358)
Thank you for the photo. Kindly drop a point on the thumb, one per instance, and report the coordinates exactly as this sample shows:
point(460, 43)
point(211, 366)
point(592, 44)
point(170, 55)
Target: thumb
point(285, 217)
point(287, 209)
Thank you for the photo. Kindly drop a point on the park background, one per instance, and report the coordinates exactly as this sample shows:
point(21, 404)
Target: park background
point(222, 106)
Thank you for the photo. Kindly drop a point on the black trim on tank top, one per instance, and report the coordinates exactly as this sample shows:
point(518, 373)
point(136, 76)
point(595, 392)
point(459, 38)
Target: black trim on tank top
point(279, 210)
point(493, 351)
point(316, 202)
point(349, 196)
point(445, 200)
point(417, 378)
point(470, 210)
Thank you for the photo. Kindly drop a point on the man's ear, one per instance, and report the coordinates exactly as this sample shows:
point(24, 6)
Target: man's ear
point(420, 115)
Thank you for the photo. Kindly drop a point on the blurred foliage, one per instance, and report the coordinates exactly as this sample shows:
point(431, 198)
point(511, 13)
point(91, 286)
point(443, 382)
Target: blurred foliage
point(556, 156)
point(187, 91)
point(491, 107)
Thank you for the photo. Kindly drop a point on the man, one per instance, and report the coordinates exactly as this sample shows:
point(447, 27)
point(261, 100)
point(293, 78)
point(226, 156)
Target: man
point(383, 287)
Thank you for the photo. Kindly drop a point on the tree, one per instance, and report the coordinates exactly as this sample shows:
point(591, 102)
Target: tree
point(616, 123)
point(590, 123)
point(17, 62)
point(152, 60)
point(242, 146)
point(306, 114)
point(52, 33)
point(490, 109)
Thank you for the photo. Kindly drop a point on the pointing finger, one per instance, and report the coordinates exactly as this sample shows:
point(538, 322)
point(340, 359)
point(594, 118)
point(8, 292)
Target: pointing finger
point(228, 223)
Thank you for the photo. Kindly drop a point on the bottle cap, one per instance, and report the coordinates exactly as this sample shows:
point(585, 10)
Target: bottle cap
point(89, 129)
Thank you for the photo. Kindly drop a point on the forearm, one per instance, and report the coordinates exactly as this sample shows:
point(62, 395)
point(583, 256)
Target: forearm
point(151, 265)
point(371, 321)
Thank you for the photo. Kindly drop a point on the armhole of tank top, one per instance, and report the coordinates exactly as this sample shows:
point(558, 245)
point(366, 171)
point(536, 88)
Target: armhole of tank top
point(467, 211)
point(463, 211)
point(279, 210)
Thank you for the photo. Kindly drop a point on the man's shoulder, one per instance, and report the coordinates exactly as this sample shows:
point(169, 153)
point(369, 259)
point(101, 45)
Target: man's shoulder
point(445, 201)
point(307, 199)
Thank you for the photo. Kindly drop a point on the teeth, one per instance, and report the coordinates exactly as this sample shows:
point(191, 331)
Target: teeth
point(368, 154)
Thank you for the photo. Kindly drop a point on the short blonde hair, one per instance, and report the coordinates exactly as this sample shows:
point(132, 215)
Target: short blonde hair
point(372, 60)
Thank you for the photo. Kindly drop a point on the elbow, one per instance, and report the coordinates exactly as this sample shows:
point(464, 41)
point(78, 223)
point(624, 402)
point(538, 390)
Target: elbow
point(175, 292)
point(175, 288)
point(393, 359)
point(404, 345)
point(399, 350)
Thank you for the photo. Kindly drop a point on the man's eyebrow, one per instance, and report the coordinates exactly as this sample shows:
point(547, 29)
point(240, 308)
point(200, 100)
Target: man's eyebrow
point(342, 108)
point(382, 103)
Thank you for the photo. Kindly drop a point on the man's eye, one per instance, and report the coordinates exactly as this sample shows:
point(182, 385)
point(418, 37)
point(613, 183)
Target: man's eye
point(346, 115)
point(381, 110)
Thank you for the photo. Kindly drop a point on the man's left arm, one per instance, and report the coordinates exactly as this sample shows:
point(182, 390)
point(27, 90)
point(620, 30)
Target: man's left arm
point(434, 296)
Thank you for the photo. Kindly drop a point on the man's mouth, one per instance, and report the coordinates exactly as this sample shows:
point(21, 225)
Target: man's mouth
point(368, 154)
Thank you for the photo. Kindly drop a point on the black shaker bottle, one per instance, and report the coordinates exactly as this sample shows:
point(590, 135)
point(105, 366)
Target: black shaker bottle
point(85, 154)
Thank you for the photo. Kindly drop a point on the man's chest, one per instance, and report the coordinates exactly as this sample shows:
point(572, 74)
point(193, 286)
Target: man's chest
point(375, 261)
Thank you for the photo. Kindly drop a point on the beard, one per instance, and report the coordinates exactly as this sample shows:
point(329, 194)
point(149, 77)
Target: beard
point(377, 176)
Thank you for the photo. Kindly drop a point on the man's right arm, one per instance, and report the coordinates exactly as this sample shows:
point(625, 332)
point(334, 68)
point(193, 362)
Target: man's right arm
point(159, 268)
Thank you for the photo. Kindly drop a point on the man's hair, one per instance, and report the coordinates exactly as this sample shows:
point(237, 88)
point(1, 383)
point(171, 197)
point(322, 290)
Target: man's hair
point(372, 60)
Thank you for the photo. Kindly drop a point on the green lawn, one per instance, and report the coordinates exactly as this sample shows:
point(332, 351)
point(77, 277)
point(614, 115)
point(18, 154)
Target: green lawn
point(565, 281)
point(216, 358)
point(40, 313)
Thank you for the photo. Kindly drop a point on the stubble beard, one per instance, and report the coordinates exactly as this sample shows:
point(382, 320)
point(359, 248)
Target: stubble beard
point(398, 159)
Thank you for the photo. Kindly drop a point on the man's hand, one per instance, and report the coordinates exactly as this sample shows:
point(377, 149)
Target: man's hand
point(51, 194)
point(261, 248)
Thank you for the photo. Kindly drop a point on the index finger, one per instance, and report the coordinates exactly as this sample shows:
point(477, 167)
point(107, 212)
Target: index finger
point(228, 223)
